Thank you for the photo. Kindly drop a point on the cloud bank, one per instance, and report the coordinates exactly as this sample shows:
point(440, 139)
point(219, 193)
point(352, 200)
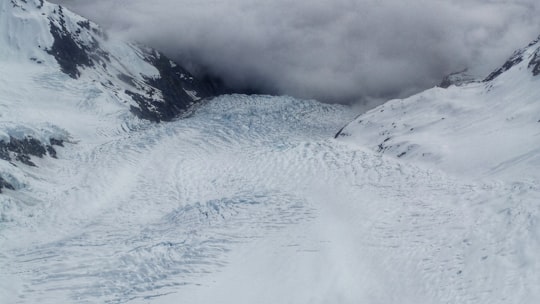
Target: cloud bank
point(331, 50)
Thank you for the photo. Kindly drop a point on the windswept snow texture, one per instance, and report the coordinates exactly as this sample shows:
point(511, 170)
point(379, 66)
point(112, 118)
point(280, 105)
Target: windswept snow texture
point(250, 200)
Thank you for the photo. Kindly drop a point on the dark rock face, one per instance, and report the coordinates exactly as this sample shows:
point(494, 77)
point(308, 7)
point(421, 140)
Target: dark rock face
point(57, 142)
point(534, 64)
point(21, 149)
point(5, 185)
point(340, 132)
point(174, 83)
point(70, 53)
point(160, 98)
point(458, 78)
point(515, 59)
point(518, 57)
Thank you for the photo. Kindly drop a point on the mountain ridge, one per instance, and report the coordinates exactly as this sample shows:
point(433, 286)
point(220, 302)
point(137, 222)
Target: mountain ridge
point(155, 87)
point(472, 127)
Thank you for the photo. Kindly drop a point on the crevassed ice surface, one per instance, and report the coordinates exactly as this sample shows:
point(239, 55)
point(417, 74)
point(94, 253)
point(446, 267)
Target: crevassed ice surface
point(250, 200)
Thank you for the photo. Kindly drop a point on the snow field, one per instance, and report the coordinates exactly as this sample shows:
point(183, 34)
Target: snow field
point(250, 200)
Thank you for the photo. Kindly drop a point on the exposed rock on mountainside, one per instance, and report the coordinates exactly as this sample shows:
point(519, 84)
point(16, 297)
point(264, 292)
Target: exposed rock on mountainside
point(154, 87)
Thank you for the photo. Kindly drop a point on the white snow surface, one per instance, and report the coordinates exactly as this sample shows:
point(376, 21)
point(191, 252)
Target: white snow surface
point(479, 130)
point(250, 199)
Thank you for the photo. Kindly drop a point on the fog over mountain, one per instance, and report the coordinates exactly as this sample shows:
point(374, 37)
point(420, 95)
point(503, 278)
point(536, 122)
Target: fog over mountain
point(334, 51)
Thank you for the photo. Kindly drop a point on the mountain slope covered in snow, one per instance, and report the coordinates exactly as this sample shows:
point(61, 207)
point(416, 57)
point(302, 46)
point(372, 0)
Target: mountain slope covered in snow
point(250, 199)
point(487, 128)
point(47, 38)
point(64, 79)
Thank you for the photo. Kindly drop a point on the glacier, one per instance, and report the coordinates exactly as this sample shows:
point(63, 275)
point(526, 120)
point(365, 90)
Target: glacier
point(252, 199)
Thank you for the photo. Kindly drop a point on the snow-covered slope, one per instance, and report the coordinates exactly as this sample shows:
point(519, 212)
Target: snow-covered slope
point(489, 128)
point(51, 42)
point(63, 80)
point(250, 200)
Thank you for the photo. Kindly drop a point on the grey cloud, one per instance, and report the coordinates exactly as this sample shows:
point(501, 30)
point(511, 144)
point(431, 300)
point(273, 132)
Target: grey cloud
point(331, 50)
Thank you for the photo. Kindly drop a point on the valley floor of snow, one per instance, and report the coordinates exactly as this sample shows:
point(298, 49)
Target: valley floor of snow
point(252, 200)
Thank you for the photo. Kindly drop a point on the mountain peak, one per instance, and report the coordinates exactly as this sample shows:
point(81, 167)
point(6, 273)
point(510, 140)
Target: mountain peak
point(527, 56)
point(151, 85)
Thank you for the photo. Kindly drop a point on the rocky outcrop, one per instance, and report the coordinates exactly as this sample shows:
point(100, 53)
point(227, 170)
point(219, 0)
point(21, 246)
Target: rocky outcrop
point(70, 52)
point(518, 57)
point(21, 150)
point(515, 59)
point(147, 82)
point(179, 90)
point(457, 79)
point(5, 185)
point(161, 97)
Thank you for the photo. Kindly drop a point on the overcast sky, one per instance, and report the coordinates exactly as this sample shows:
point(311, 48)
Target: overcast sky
point(331, 50)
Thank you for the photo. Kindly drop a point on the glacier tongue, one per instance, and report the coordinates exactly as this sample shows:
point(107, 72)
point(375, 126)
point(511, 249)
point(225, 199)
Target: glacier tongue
point(250, 200)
